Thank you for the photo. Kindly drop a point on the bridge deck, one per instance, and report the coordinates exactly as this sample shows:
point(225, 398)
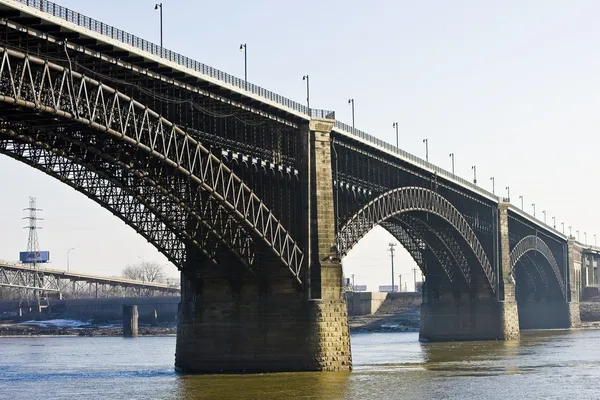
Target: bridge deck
point(79, 28)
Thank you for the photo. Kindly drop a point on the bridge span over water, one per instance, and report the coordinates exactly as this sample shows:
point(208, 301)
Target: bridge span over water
point(257, 198)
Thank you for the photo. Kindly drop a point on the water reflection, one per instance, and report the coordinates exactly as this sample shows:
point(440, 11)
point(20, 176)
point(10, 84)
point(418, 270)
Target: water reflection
point(320, 386)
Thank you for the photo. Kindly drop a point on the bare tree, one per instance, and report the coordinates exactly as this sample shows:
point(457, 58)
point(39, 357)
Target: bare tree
point(145, 271)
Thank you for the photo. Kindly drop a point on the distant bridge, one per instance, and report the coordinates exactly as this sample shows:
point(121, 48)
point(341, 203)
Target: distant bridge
point(78, 285)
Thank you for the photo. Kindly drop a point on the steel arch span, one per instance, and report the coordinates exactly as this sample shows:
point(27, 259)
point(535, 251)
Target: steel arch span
point(410, 199)
point(58, 95)
point(142, 206)
point(534, 243)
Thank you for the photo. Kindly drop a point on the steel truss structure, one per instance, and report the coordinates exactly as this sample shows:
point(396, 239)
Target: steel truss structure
point(414, 199)
point(76, 285)
point(534, 243)
point(102, 117)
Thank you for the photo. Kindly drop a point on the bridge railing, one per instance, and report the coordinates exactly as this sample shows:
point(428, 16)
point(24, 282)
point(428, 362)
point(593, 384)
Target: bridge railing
point(78, 19)
point(411, 157)
point(66, 14)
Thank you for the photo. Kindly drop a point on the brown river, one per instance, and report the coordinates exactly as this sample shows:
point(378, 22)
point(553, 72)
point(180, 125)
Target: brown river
point(543, 365)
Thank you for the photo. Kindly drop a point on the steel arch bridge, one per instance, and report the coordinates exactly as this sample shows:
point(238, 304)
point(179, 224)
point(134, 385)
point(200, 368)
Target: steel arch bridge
point(256, 198)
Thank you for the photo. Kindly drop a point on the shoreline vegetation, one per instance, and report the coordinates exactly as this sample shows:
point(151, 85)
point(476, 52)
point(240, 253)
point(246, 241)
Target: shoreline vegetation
point(400, 319)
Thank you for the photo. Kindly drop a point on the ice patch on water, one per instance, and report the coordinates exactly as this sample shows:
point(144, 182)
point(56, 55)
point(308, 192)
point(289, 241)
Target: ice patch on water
point(57, 323)
point(390, 326)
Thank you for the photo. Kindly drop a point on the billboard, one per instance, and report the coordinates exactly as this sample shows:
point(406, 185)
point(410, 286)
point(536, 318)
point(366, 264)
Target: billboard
point(360, 288)
point(388, 288)
point(30, 257)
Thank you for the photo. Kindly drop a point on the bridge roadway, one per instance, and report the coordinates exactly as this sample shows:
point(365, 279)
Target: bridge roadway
point(76, 284)
point(257, 198)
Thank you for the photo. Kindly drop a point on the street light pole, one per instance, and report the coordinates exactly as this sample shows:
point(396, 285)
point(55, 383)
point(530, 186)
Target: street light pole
point(594, 239)
point(585, 237)
point(391, 250)
point(426, 141)
point(544, 212)
point(69, 251)
point(305, 78)
point(474, 168)
point(554, 222)
point(570, 232)
point(452, 157)
point(508, 193)
point(493, 185)
point(244, 48)
point(563, 227)
point(521, 198)
point(156, 7)
point(533, 205)
point(577, 233)
point(395, 125)
point(351, 101)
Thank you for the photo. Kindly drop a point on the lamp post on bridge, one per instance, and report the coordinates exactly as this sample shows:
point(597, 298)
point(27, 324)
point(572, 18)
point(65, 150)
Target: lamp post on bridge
point(351, 101)
point(395, 125)
point(244, 48)
point(533, 205)
point(452, 157)
point(577, 233)
point(156, 7)
point(544, 212)
point(570, 232)
point(594, 240)
point(563, 227)
point(305, 78)
point(474, 168)
point(508, 193)
point(585, 237)
point(426, 141)
point(554, 222)
point(69, 251)
point(493, 185)
point(521, 198)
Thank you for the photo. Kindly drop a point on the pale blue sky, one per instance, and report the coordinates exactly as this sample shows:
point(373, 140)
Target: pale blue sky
point(511, 87)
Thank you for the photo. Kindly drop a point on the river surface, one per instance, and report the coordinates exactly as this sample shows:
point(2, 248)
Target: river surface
point(543, 365)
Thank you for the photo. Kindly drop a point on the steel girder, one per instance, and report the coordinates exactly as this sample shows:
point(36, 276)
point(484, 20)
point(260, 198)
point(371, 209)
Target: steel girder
point(168, 201)
point(31, 83)
point(534, 243)
point(414, 247)
point(438, 249)
point(408, 199)
point(447, 242)
point(104, 192)
point(538, 280)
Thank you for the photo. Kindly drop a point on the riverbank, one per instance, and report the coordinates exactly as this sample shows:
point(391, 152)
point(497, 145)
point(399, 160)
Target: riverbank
point(62, 327)
point(389, 318)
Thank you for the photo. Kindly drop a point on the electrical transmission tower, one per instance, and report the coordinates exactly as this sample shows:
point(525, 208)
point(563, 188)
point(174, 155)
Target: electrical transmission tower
point(33, 252)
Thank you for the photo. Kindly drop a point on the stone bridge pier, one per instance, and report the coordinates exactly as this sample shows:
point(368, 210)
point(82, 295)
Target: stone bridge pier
point(235, 322)
point(475, 314)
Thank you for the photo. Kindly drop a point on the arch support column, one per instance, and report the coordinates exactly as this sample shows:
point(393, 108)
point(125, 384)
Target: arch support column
point(509, 313)
point(573, 286)
point(235, 322)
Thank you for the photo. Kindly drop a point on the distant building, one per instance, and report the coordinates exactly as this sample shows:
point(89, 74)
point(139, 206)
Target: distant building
point(388, 288)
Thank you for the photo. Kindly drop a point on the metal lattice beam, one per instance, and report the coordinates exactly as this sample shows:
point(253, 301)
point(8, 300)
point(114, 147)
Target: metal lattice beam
point(534, 243)
point(31, 83)
point(410, 199)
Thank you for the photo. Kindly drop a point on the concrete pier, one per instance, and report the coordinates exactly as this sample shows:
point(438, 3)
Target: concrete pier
point(130, 321)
